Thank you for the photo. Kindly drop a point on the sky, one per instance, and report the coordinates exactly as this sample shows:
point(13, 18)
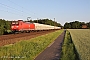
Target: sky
point(62, 10)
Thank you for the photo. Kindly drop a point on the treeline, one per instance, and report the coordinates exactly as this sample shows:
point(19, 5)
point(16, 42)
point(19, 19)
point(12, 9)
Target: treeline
point(76, 25)
point(4, 26)
point(47, 22)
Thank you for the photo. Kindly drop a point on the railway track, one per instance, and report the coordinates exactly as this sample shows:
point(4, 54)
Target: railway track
point(13, 38)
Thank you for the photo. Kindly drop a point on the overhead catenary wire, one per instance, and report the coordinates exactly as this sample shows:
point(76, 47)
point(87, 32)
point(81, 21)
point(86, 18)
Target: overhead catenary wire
point(8, 10)
point(23, 8)
point(11, 12)
point(18, 12)
point(10, 7)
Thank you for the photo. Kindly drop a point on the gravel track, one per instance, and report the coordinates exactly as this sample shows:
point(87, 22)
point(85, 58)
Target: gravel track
point(13, 38)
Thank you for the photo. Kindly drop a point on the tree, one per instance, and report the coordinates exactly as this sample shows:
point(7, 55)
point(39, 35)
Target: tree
point(88, 25)
point(66, 25)
point(4, 26)
point(75, 25)
point(47, 22)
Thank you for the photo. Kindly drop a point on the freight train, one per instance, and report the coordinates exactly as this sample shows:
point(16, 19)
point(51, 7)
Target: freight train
point(21, 26)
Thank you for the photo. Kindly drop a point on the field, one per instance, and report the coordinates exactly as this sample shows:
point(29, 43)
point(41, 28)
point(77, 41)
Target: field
point(81, 40)
point(27, 49)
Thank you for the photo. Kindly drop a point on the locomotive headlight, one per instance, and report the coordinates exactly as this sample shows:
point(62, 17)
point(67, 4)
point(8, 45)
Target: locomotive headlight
point(12, 27)
point(17, 26)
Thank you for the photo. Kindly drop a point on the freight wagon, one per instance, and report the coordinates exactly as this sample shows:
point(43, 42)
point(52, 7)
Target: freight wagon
point(21, 26)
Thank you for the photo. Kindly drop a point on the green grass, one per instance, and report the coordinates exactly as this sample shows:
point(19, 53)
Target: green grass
point(81, 40)
point(68, 49)
point(9, 31)
point(28, 49)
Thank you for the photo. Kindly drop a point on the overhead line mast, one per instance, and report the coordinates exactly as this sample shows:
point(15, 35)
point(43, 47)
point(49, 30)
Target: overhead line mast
point(54, 23)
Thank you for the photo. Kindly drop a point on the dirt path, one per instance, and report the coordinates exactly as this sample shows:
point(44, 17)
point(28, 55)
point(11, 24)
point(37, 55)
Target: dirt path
point(52, 52)
point(13, 38)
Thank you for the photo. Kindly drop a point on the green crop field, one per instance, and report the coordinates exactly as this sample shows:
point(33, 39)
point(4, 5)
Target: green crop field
point(28, 49)
point(81, 40)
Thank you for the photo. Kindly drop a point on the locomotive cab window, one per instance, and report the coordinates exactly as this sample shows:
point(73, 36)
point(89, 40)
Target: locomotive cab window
point(15, 23)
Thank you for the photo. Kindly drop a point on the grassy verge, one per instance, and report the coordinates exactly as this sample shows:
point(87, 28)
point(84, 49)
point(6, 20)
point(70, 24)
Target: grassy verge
point(28, 49)
point(68, 49)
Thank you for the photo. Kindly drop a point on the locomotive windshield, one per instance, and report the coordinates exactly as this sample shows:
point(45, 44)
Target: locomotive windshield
point(15, 23)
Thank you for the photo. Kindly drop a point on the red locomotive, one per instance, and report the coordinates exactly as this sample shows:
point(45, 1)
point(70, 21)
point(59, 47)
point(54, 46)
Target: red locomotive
point(22, 26)
point(27, 26)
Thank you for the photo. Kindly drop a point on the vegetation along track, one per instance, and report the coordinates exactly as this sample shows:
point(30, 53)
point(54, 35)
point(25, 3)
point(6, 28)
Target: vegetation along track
point(13, 38)
point(68, 49)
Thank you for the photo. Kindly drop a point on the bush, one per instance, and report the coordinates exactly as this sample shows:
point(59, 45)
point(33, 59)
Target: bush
point(4, 26)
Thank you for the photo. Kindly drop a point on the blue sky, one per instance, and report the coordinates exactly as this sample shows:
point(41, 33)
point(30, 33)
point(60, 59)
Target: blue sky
point(62, 10)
